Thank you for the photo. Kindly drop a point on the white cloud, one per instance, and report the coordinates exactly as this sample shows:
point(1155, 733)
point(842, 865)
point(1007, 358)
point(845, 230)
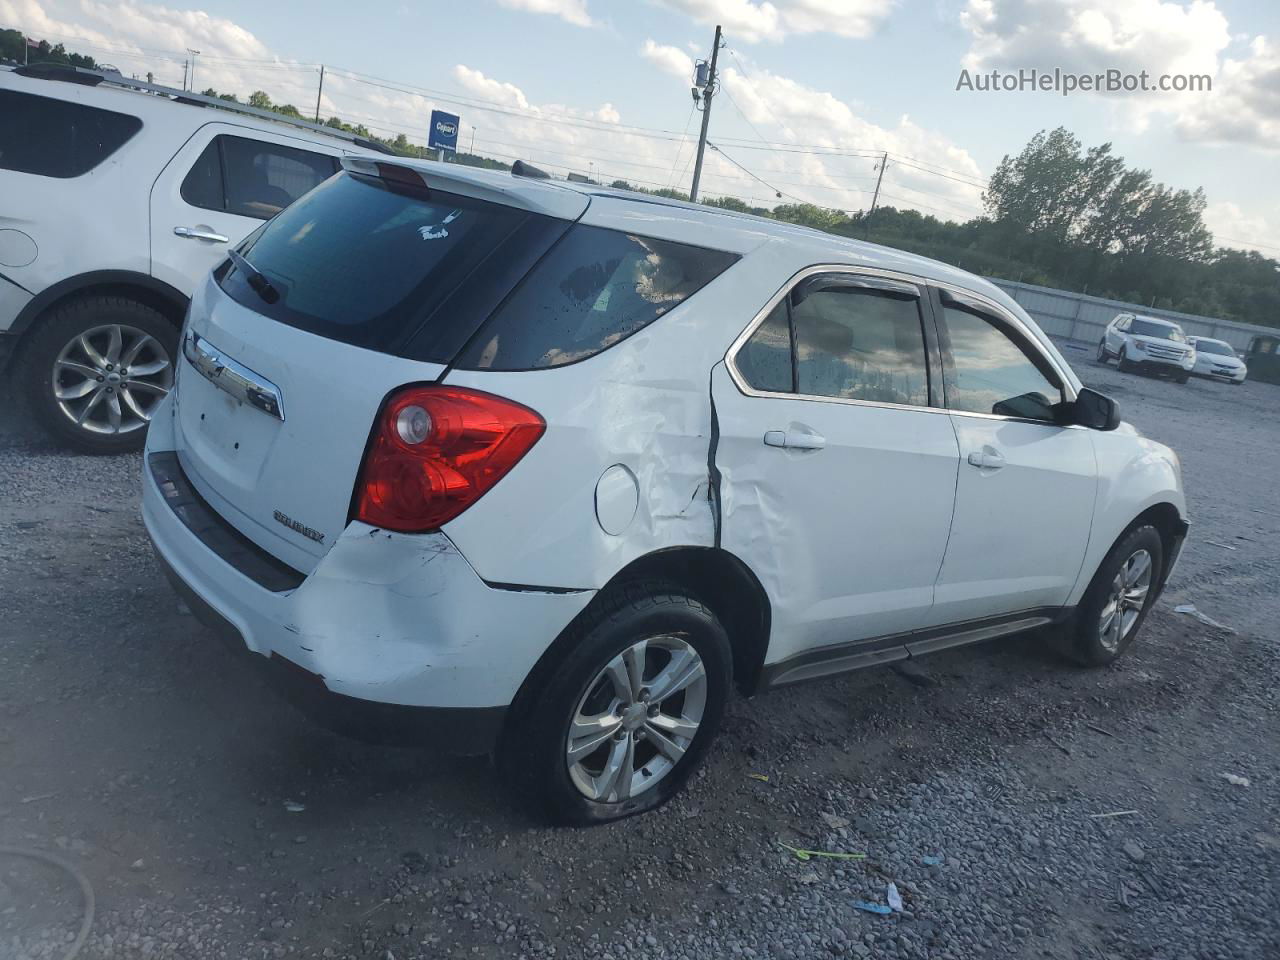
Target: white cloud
point(1245, 104)
point(752, 22)
point(1233, 226)
point(669, 59)
point(571, 11)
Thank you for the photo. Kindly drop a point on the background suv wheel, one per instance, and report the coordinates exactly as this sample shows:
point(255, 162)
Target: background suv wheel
point(619, 721)
point(1103, 356)
point(1122, 363)
point(94, 370)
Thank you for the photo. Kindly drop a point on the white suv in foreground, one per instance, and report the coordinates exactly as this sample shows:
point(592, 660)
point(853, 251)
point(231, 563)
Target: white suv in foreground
point(118, 197)
point(547, 468)
point(1148, 343)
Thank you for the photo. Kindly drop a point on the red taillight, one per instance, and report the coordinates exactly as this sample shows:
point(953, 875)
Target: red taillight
point(437, 450)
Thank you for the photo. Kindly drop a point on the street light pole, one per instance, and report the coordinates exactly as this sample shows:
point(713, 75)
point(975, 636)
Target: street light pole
point(194, 54)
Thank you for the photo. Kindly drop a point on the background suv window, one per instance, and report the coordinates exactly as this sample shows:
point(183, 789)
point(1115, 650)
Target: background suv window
point(251, 178)
point(860, 344)
point(991, 373)
point(55, 138)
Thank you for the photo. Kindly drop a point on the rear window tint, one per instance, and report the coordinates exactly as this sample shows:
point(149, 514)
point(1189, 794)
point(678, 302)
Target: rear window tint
point(594, 289)
point(369, 262)
point(253, 178)
point(57, 138)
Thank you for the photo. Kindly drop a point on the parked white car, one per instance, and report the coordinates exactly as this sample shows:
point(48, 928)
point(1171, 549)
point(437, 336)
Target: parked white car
point(118, 197)
point(1147, 343)
point(1218, 360)
point(546, 468)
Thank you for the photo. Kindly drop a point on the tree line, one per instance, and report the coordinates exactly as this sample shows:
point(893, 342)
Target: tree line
point(1056, 214)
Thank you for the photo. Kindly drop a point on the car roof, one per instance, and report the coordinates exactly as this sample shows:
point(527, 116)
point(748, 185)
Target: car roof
point(821, 247)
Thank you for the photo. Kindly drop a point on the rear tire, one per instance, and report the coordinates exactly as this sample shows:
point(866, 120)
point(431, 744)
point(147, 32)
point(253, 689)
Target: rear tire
point(65, 366)
point(569, 727)
point(1117, 601)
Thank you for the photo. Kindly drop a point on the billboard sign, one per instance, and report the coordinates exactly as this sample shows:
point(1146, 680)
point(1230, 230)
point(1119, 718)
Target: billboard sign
point(443, 134)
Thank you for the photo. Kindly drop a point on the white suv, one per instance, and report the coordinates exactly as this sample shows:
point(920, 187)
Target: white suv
point(118, 197)
point(1148, 343)
point(546, 468)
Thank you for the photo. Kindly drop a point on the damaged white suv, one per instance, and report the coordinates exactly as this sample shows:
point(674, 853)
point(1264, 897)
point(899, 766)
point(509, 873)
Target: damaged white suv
point(546, 469)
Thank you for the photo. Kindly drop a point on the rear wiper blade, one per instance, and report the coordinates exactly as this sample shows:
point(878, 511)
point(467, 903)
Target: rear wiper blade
point(255, 278)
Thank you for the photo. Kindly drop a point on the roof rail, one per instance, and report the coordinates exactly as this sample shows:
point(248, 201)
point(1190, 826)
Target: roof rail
point(522, 169)
point(68, 73)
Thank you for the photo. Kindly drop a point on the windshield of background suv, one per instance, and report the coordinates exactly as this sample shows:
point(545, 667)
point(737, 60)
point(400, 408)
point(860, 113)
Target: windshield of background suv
point(369, 262)
point(1216, 347)
point(1162, 331)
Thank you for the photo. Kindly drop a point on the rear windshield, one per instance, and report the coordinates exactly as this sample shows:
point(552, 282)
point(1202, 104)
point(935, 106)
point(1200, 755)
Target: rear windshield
point(370, 262)
point(1165, 331)
point(594, 289)
point(57, 138)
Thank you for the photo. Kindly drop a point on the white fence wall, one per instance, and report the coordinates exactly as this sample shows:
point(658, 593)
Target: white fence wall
point(1076, 316)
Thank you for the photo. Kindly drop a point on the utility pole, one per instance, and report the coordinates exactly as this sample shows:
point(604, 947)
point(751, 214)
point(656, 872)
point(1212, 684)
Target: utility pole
point(194, 54)
point(875, 197)
point(184, 74)
point(707, 93)
point(319, 91)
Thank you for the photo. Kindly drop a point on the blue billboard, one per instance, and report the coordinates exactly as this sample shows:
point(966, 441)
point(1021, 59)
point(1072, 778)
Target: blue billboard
point(443, 134)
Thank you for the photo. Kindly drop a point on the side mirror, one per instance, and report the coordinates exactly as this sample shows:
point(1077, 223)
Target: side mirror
point(1094, 410)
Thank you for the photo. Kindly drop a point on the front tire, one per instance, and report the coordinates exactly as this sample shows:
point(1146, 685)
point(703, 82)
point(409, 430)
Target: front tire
point(1117, 601)
point(1182, 378)
point(1123, 364)
point(1103, 356)
point(620, 722)
point(94, 370)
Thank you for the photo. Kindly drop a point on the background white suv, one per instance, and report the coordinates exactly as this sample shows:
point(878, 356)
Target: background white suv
point(1148, 343)
point(118, 198)
point(546, 468)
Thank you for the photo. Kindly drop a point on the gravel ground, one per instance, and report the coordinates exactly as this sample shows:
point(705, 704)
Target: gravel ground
point(213, 822)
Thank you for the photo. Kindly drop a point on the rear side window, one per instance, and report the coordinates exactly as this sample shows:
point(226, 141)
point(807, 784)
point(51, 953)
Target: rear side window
point(594, 289)
point(765, 360)
point(57, 138)
point(370, 262)
point(251, 178)
point(861, 345)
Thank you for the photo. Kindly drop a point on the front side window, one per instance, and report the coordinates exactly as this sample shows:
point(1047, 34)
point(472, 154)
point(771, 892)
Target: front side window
point(595, 288)
point(251, 178)
point(991, 373)
point(860, 344)
point(58, 138)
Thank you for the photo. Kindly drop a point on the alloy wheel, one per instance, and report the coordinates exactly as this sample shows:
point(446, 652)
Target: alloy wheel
point(636, 719)
point(111, 378)
point(1124, 603)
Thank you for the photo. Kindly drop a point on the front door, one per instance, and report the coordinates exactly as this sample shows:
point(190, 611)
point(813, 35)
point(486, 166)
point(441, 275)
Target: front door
point(837, 473)
point(1025, 494)
point(224, 182)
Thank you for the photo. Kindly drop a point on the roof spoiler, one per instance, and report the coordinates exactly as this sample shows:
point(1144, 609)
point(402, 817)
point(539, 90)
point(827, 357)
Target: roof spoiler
point(522, 169)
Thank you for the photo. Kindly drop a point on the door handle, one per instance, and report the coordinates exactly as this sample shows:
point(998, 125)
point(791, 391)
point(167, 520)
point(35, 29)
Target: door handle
point(795, 439)
point(987, 459)
point(200, 233)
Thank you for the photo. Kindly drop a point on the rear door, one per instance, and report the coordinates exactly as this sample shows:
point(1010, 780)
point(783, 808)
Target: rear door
point(224, 182)
point(1026, 488)
point(837, 470)
point(277, 394)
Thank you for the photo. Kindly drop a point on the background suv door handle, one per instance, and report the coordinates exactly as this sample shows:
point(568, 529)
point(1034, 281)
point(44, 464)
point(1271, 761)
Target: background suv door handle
point(200, 233)
point(795, 439)
point(987, 459)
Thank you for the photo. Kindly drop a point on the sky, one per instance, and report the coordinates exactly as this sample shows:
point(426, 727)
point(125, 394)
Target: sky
point(813, 92)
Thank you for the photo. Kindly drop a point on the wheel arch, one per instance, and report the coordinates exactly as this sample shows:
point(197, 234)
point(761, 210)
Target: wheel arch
point(160, 296)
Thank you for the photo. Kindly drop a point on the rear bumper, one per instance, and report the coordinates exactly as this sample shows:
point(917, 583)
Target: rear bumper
point(384, 621)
